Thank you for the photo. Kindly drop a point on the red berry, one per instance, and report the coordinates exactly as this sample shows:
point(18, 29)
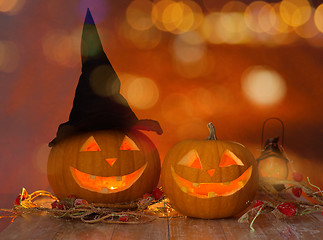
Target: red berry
point(17, 201)
point(258, 203)
point(58, 205)
point(124, 218)
point(157, 193)
point(146, 195)
point(298, 177)
point(54, 204)
point(297, 191)
point(289, 209)
point(80, 201)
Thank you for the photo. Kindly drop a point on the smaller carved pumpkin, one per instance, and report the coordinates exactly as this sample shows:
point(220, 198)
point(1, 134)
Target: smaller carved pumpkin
point(209, 178)
point(107, 166)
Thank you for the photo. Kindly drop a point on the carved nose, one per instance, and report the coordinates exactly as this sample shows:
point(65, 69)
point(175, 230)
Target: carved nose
point(210, 172)
point(110, 161)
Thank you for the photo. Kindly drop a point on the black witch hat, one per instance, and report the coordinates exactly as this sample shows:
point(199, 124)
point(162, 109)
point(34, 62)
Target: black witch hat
point(98, 104)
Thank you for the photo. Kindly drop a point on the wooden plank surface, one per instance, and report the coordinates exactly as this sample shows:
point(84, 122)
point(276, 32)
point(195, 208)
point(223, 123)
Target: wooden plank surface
point(191, 228)
point(301, 227)
point(43, 227)
point(35, 226)
point(153, 230)
point(77, 230)
point(238, 231)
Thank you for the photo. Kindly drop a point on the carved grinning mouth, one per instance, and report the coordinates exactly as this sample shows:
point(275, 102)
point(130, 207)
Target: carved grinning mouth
point(106, 185)
point(209, 190)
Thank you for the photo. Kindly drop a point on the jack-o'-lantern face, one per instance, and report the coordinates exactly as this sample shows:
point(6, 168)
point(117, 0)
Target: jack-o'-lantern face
point(209, 178)
point(104, 166)
point(210, 189)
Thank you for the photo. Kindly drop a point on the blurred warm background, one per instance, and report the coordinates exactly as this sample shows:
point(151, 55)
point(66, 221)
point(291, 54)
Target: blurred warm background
point(183, 63)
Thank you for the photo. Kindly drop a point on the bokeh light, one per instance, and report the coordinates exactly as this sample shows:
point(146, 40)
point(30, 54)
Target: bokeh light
point(196, 69)
point(263, 85)
point(157, 13)
point(318, 17)
point(209, 28)
point(141, 92)
point(260, 17)
point(138, 14)
point(176, 16)
point(234, 6)
point(189, 47)
point(62, 48)
point(232, 28)
point(9, 56)
point(11, 7)
point(141, 39)
point(227, 27)
point(189, 53)
point(235, 22)
point(197, 13)
point(281, 26)
point(307, 30)
point(295, 12)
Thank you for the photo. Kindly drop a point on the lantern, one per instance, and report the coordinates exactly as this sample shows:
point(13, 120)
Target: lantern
point(209, 178)
point(272, 163)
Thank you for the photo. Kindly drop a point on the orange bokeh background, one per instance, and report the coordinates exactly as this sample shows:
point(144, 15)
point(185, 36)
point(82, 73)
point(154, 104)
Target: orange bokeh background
point(183, 63)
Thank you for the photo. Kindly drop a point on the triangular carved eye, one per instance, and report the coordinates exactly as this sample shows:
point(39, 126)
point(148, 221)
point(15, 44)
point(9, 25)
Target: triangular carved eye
point(90, 145)
point(128, 144)
point(191, 159)
point(229, 159)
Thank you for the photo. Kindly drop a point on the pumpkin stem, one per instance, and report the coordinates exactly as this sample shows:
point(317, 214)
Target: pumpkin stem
point(212, 135)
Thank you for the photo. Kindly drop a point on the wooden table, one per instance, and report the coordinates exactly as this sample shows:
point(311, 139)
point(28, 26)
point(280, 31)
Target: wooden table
point(42, 226)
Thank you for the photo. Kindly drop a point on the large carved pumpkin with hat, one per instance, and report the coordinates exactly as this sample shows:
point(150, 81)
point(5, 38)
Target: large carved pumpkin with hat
point(99, 154)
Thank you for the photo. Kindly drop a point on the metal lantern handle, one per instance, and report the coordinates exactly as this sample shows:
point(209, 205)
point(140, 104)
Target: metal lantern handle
point(263, 128)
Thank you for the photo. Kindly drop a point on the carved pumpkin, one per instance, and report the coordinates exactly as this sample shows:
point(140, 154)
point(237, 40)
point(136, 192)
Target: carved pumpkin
point(104, 166)
point(209, 178)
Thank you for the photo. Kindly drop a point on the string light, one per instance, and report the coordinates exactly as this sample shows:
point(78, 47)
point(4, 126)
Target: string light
point(233, 23)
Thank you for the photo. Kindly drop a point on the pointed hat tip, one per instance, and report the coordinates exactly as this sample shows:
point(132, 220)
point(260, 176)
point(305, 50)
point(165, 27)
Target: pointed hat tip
point(89, 18)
